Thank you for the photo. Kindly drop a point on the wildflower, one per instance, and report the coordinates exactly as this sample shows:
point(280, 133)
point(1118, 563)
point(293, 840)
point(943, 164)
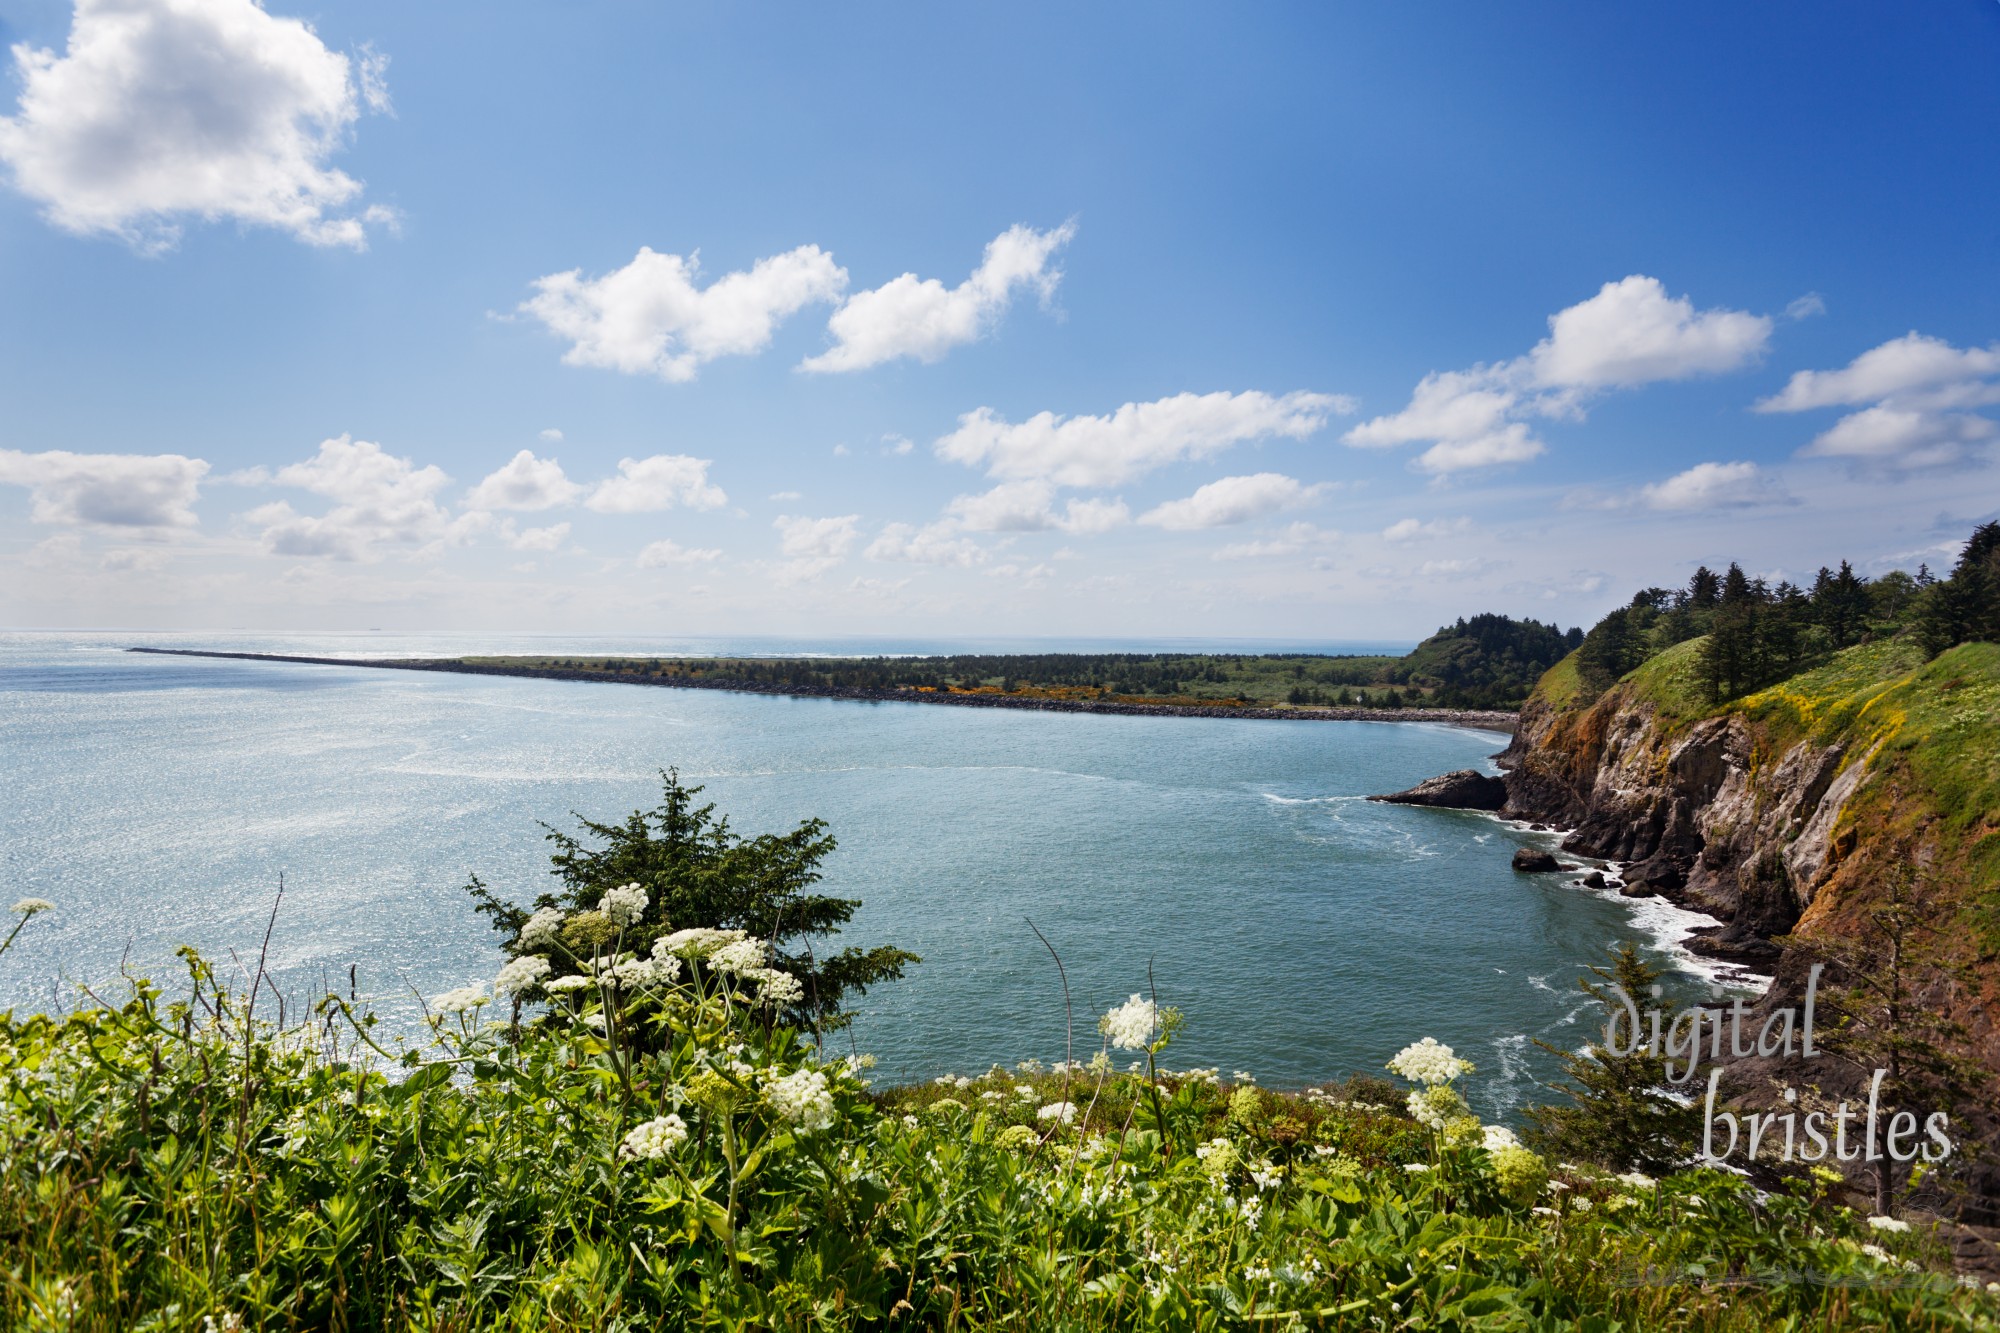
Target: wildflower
point(991, 1096)
point(775, 987)
point(743, 956)
point(1242, 1076)
point(34, 906)
point(943, 1104)
point(521, 975)
point(563, 985)
point(1891, 1224)
point(694, 942)
point(1218, 1157)
point(1016, 1137)
point(1063, 1111)
point(1519, 1173)
point(1637, 1180)
point(231, 1323)
point(909, 1122)
point(1498, 1137)
point(1266, 1176)
point(1130, 1026)
point(541, 929)
point(636, 973)
point(1252, 1209)
point(1100, 1064)
point(1428, 1062)
point(944, 1080)
point(1436, 1106)
point(1416, 1168)
point(463, 1000)
point(1877, 1253)
point(624, 905)
point(654, 1139)
point(1024, 1091)
point(803, 1099)
point(1029, 1066)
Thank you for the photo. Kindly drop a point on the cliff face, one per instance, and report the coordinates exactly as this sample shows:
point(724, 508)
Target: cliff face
point(1706, 814)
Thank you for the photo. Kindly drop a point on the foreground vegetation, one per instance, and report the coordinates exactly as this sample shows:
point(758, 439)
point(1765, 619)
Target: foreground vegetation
point(1488, 661)
point(647, 1152)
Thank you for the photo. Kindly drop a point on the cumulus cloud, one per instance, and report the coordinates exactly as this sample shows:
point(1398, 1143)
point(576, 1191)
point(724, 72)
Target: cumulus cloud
point(1134, 440)
point(1295, 538)
point(646, 485)
point(1918, 393)
point(1709, 486)
point(153, 492)
point(922, 318)
point(381, 503)
point(162, 109)
point(1411, 530)
point(811, 546)
point(932, 544)
point(524, 482)
point(1029, 506)
point(550, 538)
point(649, 318)
point(1630, 333)
point(1232, 500)
point(666, 552)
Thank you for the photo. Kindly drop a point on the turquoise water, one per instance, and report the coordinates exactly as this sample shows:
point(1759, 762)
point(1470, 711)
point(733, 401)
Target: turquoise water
point(1306, 932)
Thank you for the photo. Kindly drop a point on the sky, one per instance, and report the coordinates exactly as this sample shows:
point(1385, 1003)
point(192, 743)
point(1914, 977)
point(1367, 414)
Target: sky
point(1296, 321)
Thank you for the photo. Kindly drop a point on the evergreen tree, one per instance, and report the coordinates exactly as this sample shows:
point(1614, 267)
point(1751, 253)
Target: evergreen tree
point(1703, 589)
point(1622, 1114)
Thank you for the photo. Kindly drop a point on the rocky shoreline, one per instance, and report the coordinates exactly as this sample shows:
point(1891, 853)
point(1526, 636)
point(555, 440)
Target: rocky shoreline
point(1475, 719)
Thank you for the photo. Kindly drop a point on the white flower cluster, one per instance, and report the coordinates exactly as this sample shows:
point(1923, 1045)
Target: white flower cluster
point(521, 975)
point(739, 956)
point(1498, 1137)
point(638, 973)
point(1266, 1175)
point(1637, 1180)
point(1429, 1062)
point(777, 988)
point(463, 1000)
point(803, 1098)
point(624, 905)
point(564, 985)
point(541, 929)
point(1436, 1106)
point(34, 906)
point(654, 1139)
point(1890, 1224)
point(952, 1081)
point(1130, 1026)
point(1063, 1111)
point(694, 942)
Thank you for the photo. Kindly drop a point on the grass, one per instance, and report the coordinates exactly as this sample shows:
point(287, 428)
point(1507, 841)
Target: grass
point(185, 1164)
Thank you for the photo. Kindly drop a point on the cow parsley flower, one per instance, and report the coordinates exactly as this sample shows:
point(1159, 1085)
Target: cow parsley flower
point(1498, 1137)
point(624, 905)
point(521, 975)
point(1436, 1106)
point(694, 942)
point(1637, 1180)
point(1130, 1026)
point(463, 1000)
point(541, 929)
point(1063, 1111)
point(1891, 1224)
point(564, 985)
point(1266, 1176)
point(654, 1139)
point(775, 987)
point(1429, 1062)
point(636, 973)
point(803, 1098)
point(740, 956)
point(34, 906)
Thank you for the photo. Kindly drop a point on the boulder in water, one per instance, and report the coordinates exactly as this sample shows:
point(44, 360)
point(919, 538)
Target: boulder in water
point(1533, 860)
point(1463, 790)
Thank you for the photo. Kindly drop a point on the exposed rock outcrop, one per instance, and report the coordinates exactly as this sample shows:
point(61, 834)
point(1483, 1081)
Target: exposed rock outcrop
point(1534, 861)
point(1463, 790)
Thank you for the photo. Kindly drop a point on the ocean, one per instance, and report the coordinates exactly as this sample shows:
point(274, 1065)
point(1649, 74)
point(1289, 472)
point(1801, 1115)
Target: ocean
point(1306, 932)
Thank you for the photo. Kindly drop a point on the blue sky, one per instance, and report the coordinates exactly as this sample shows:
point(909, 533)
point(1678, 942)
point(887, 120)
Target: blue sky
point(285, 293)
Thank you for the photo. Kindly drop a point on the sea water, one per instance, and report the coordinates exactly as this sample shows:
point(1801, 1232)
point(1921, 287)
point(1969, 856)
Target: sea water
point(1233, 867)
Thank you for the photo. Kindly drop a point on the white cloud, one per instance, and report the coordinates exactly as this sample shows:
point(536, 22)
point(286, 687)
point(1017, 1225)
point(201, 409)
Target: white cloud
point(1806, 307)
point(919, 317)
point(1295, 538)
point(1453, 570)
point(645, 485)
point(550, 538)
point(1709, 486)
point(1630, 333)
point(133, 562)
point(1918, 391)
point(1904, 437)
point(552, 436)
point(1411, 530)
point(380, 501)
point(1633, 333)
point(665, 552)
point(649, 318)
point(1232, 500)
point(160, 109)
point(811, 546)
point(1029, 506)
point(1912, 364)
point(896, 445)
point(524, 482)
point(783, 495)
point(932, 544)
point(145, 491)
point(1134, 440)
